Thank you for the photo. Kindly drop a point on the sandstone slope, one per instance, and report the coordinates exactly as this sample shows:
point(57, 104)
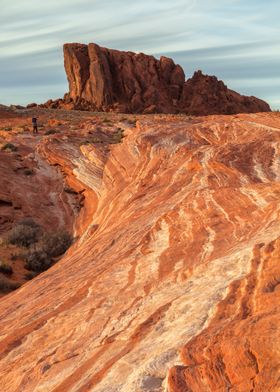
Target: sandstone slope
point(111, 80)
point(178, 246)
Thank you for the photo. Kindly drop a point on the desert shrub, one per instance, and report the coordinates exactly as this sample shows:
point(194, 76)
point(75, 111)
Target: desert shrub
point(49, 246)
point(117, 136)
point(7, 286)
point(17, 256)
point(28, 172)
point(31, 275)
point(29, 222)
point(70, 190)
point(45, 247)
point(37, 261)
point(92, 140)
point(23, 234)
point(56, 244)
point(51, 132)
point(5, 268)
point(107, 121)
point(95, 140)
point(132, 122)
point(9, 147)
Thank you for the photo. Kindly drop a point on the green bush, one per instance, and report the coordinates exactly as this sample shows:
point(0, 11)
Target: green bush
point(5, 268)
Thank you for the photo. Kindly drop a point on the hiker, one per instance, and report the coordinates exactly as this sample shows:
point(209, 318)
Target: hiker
point(35, 125)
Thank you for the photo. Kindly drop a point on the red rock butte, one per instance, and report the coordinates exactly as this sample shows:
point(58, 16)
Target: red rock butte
point(111, 80)
point(173, 282)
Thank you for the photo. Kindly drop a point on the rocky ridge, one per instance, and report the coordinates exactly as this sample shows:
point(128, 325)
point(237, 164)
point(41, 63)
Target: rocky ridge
point(110, 80)
point(178, 247)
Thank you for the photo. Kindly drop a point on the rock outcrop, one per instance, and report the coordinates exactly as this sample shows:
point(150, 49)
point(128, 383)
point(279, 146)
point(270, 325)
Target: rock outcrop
point(111, 80)
point(106, 79)
point(179, 247)
point(204, 95)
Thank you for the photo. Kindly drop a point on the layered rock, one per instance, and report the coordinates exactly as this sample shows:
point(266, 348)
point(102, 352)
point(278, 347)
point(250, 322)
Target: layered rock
point(179, 249)
point(237, 351)
point(111, 80)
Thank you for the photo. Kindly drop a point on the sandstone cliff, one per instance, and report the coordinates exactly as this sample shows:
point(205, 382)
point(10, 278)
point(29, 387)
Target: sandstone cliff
point(177, 246)
point(103, 78)
point(111, 80)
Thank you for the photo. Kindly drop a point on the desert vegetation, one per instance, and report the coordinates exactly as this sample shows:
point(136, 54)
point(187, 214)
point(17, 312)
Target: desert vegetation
point(28, 172)
point(117, 136)
point(112, 137)
point(5, 268)
point(25, 233)
point(51, 132)
point(107, 121)
point(70, 190)
point(35, 247)
point(7, 285)
point(9, 147)
point(41, 249)
point(6, 129)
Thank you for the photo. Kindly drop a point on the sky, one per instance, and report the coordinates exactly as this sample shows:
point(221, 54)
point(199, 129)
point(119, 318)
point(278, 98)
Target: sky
point(236, 40)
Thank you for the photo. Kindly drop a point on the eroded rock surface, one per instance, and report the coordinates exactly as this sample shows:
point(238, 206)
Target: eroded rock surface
point(111, 80)
point(179, 248)
point(238, 351)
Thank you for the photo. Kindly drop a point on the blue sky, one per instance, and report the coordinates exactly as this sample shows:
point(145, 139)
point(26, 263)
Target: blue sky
point(238, 41)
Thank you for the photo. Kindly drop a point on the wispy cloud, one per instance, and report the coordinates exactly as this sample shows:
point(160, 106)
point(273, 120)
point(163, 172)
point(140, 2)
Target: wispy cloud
point(235, 40)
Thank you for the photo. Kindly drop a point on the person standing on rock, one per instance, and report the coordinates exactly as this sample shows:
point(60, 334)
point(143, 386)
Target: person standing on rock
point(35, 125)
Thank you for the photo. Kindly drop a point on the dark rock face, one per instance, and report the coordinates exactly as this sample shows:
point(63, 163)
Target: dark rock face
point(111, 80)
